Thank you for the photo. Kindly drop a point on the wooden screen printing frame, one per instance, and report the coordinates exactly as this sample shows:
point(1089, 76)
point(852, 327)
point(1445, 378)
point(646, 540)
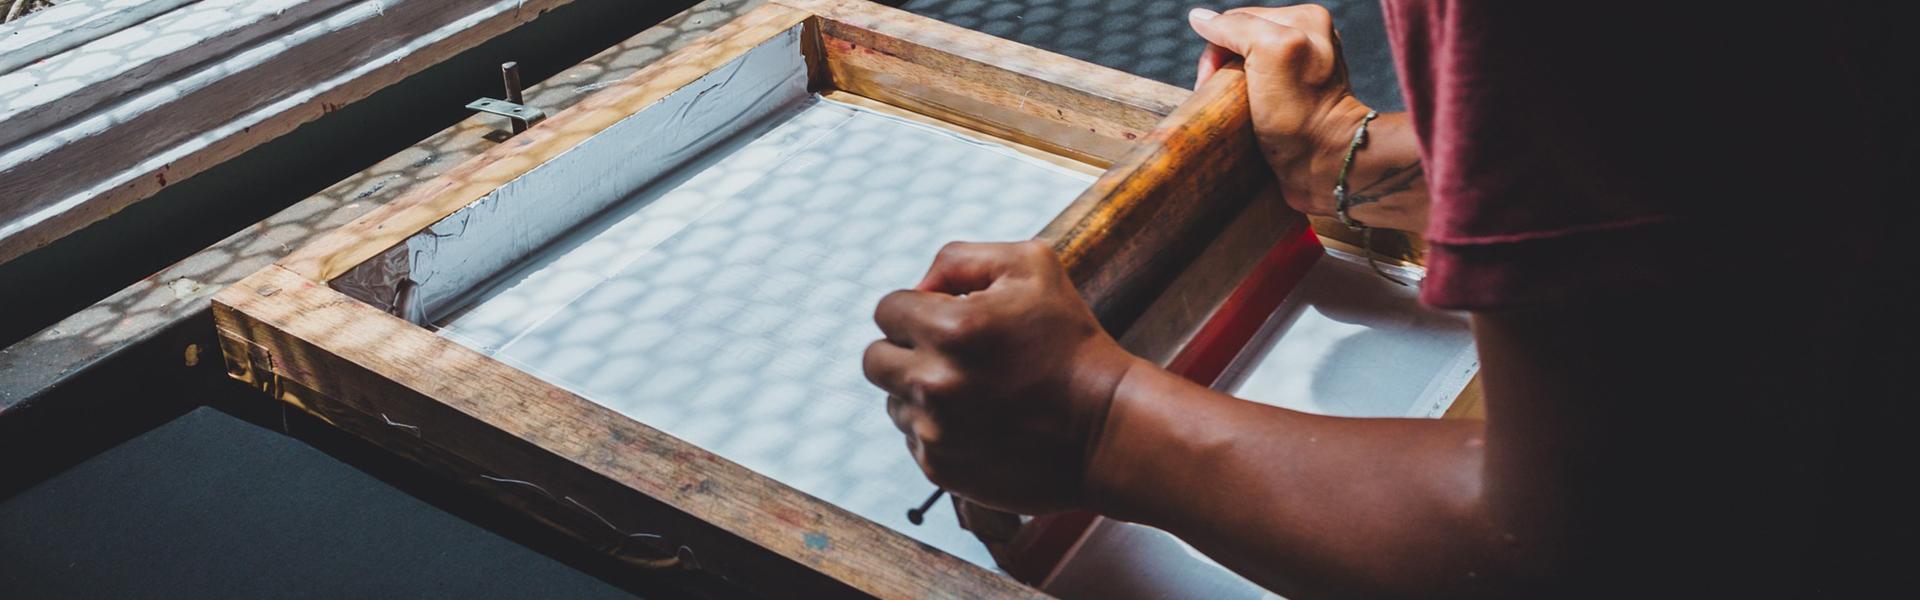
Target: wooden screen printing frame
point(1178, 173)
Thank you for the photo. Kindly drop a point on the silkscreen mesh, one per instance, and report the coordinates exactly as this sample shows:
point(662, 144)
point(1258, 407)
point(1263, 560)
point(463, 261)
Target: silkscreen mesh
point(730, 305)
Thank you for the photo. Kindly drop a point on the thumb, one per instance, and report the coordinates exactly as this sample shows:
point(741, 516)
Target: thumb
point(1240, 33)
point(964, 268)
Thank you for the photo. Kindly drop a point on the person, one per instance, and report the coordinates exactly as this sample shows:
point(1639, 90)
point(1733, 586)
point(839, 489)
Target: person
point(1674, 232)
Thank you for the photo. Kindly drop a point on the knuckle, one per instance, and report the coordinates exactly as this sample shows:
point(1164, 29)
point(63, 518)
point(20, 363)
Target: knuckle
point(870, 361)
point(1310, 13)
point(957, 329)
point(1282, 43)
point(902, 416)
point(950, 251)
point(939, 470)
point(888, 302)
point(1035, 250)
point(934, 475)
point(928, 465)
point(1304, 16)
point(941, 383)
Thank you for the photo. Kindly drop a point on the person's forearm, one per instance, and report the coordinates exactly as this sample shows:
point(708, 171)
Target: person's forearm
point(1387, 185)
point(1370, 507)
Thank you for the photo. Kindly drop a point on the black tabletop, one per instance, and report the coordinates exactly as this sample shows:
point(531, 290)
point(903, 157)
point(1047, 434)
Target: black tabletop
point(209, 506)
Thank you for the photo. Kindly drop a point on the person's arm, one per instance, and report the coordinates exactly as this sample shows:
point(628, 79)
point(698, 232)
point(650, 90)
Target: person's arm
point(1011, 396)
point(1651, 438)
point(1306, 505)
point(1305, 114)
point(1646, 441)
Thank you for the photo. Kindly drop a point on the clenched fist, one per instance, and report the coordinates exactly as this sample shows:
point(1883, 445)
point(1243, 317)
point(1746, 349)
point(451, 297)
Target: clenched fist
point(999, 375)
point(1304, 111)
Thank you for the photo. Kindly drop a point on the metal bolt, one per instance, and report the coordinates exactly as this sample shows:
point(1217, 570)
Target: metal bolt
point(510, 75)
point(919, 515)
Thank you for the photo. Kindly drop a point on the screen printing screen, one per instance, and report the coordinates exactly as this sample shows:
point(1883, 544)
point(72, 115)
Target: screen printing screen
point(729, 303)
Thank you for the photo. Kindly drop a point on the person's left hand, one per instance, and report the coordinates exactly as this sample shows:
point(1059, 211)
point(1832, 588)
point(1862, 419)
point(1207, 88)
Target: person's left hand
point(1304, 110)
point(999, 374)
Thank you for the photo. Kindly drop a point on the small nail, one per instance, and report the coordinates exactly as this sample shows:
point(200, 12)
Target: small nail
point(1202, 14)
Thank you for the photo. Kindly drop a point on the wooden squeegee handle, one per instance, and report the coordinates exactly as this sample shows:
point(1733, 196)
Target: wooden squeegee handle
point(1127, 238)
point(1154, 211)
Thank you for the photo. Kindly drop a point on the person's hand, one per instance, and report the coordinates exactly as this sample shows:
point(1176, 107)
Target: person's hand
point(999, 375)
point(1304, 111)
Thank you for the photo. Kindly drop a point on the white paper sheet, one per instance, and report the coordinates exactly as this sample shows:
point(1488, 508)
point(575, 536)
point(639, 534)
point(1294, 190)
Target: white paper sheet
point(1345, 343)
point(1349, 343)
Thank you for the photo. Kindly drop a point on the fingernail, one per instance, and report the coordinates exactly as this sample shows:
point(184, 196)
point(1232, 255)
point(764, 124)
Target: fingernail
point(1202, 14)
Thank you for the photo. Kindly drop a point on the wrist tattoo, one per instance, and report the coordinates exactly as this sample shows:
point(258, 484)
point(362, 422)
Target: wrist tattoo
point(1393, 181)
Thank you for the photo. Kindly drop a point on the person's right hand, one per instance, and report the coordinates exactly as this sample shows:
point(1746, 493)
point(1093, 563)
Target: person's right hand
point(1000, 376)
point(1304, 111)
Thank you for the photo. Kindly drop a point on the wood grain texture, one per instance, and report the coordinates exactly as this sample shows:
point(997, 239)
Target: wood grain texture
point(392, 224)
point(1193, 328)
point(1084, 111)
point(1169, 325)
point(596, 471)
point(169, 300)
point(1129, 234)
point(1471, 403)
point(96, 163)
point(46, 92)
point(1115, 86)
point(63, 26)
point(1052, 158)
point(1388, 246)
point(1171, 189)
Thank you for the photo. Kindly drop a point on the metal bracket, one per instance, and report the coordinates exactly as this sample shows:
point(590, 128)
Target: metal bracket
point(514, 108)
point(521, 115)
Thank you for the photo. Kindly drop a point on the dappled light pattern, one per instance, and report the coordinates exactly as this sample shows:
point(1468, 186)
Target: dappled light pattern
point(40, 94)
point(182, 291)
point(37, 29)
point(1150, 38)
point(732, 308)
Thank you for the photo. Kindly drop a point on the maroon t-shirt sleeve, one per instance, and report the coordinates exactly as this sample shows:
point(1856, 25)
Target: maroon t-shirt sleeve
point(1574, 151)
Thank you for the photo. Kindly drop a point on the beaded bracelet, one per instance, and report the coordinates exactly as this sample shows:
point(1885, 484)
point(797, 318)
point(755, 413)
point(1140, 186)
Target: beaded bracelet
point(1343, 203)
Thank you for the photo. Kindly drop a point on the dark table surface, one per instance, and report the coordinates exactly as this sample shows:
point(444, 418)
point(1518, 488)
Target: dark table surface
point(219, 503)
point(209, 506)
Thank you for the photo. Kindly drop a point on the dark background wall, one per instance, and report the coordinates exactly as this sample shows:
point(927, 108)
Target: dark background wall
point(46, 285)
point(1151, 38)
point(198, 487)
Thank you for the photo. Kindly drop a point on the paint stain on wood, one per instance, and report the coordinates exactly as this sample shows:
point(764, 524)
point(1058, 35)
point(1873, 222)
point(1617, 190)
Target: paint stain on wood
point(704, 487)
point(184, 288)
point(817, 541)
